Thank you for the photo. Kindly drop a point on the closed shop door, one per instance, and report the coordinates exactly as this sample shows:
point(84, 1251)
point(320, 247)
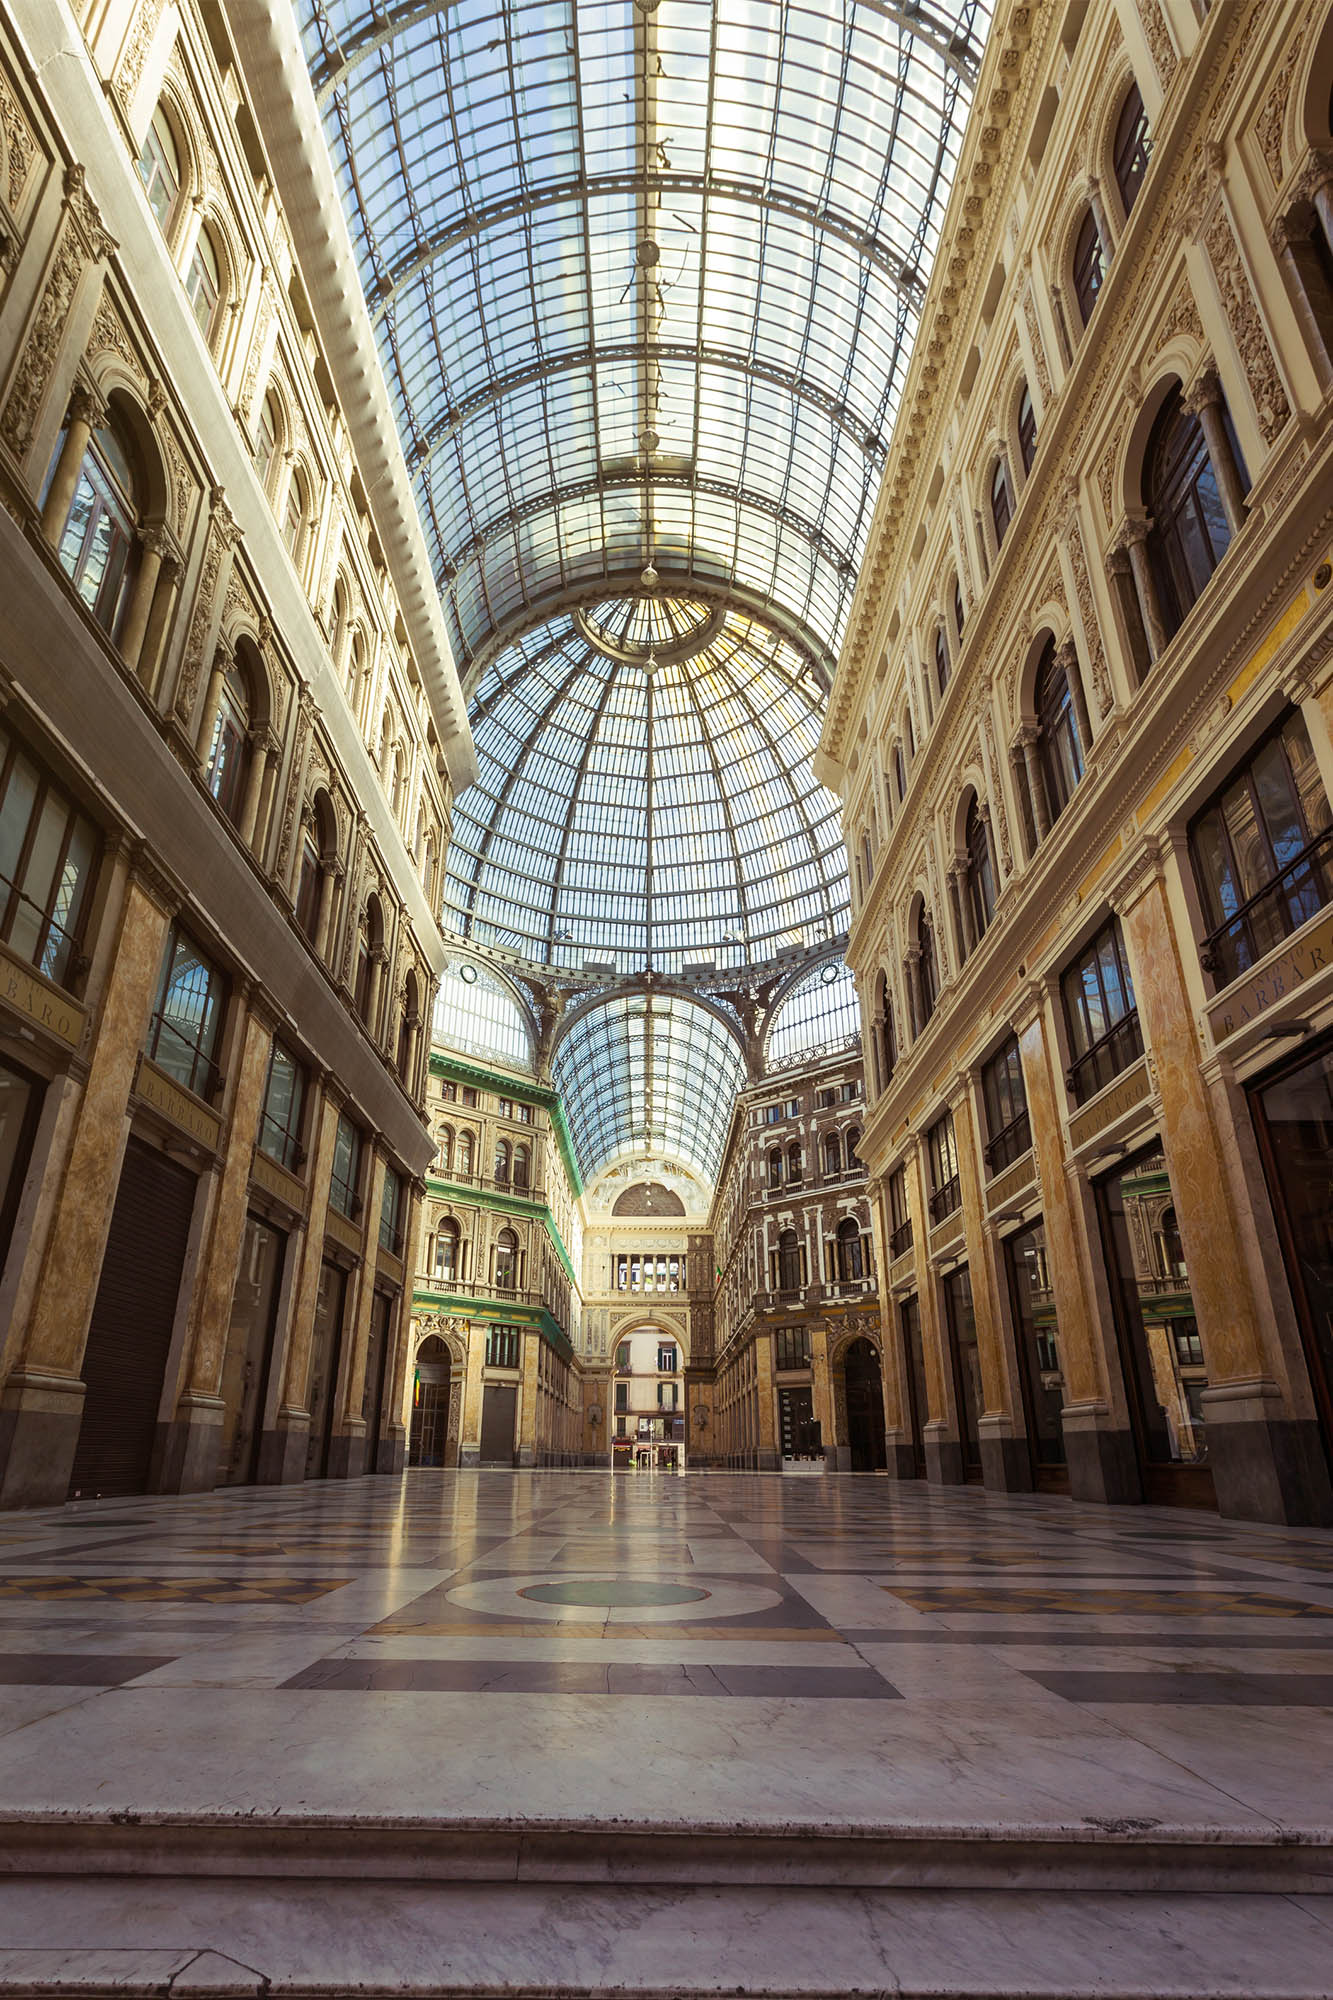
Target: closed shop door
point(796, 1423)
point(325, 1355)
point(377, 1361)
point(249, 1355)
point(909, 1320)
point(129, 1337)
point(966, 1360)
point(499, 1404)
point(866, 1444)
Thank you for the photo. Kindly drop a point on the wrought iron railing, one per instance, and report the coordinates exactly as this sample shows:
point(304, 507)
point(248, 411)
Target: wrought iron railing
point(1272, 913)
point(1115, 1050)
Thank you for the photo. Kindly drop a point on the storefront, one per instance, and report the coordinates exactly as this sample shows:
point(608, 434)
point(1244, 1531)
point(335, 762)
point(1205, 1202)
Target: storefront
point(965, 1360)
point(1032, 1302)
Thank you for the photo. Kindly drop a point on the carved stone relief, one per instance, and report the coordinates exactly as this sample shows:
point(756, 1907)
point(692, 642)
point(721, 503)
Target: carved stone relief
point(1270, 398)
point(42, 345)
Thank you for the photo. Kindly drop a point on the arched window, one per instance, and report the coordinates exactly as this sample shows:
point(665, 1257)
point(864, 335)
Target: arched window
point(506, 1261)
point(899, 772)
point(1001, 507)
point(370, 941)
point(522, 1167)
point(832, 1155)
point(266, 439)
point(160, 169)
point(397, 780)
point(980, 883)
point(1060, 750)
point(409, 1020)
point(203, 284)
point(795, 1164)
point(851, 1141)
point(886, 1037)
point(1190, 532)
point(1089, 265)
point(789, 1262)
point(926, 970)
point(1027, 429)
point(465, 1153)
point(446, 1252)
point(958, 619)
point(775, 1168)
point(99, 547)
point(444, 1149)
point(356, 667)
point(941, 659)
point(229, 752)
point(294, 517)
point(318, 848)
point(502, 1160)
point(1133, 147)
point(851, 1261)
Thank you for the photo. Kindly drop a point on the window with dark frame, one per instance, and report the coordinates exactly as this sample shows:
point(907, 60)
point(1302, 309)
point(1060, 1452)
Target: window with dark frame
point(1009, 1134)
point(504, 1346)
point(1190, 532)
point(791, 1347)
point(946, 1192)
point(942, 664)
point(346, 1175)
point(1132, 149)
point(283, 1109)
point(99, 547)
point(1060, 752)
point(186, 1025)
point(1262, 850)
point(1089, 265)
point(391, 1213)
point(48, 864)
point(1100, 1014)
point(1001, 506)
point(900, 1219)
point(1027, 428)
point(979, 883)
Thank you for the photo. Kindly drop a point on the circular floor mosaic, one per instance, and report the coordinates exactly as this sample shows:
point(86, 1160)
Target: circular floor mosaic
point(600, 1598)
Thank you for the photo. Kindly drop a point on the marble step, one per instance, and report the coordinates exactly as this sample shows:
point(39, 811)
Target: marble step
point(1097, 1855)
point(242, 1936)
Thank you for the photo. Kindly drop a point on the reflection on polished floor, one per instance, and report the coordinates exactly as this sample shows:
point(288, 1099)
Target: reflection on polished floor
point(472, 1662)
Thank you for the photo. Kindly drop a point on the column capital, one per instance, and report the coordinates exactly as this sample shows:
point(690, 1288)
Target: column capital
point(87, 405)
point(1139, 869)
point(1204, 391)
point(1133, 531)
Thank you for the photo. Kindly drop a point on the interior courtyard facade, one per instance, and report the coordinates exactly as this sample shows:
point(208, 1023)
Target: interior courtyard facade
point(666, 995)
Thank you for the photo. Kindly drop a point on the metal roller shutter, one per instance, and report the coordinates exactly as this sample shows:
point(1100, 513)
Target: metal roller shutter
point(130, 1333)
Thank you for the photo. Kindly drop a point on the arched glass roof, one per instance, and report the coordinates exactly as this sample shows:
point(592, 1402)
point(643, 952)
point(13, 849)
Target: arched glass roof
point(818, 1016)
point(651, 1071)
point(477, 1014)
point(646, 794)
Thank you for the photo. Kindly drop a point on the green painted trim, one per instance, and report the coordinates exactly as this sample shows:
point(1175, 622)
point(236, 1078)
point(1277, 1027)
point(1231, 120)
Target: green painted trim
point(459, 1070)
point(503, 1312)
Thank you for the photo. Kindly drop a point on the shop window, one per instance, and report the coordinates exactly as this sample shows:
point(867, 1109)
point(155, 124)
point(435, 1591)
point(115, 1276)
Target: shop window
point(346, 1175)
point(1001, 503)
point(1027, 429)
point(504, 1346)
point(1262, 850)
point(900, 1219)
point(946, 1192)
point(99, 543)
point(1060, 752)
point(1190, 532)
point(1009, 1134)
point(283, 1110)
point(203, 285)
point(1100, 1014)
point(979, 881)
point(1089, 265)
point(391, 1213)
point(186, 1025)
point(48, 863)
point(1132, 149)
point(791, 1347)
point(160, 170)
point(229, 751)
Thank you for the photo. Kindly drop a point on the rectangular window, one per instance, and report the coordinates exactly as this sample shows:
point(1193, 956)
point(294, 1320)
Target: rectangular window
point(284, 1107)
point(523, 1113)
point(448, 1091)
point(668, 1395)
point(622, 1395)
point(773, 1114)
point(505, 1106)
point(900, 1218)
point(824, 1098)
point(343, 1193)
point(666, 1360)
point(504, 1346)
point(1100, 1014)
point(48, 857)
point(791, 1347)
point(1008, 1132)
point(946, 1194)
point(470, 1095)
point(187, 1020)
point(391, 1213)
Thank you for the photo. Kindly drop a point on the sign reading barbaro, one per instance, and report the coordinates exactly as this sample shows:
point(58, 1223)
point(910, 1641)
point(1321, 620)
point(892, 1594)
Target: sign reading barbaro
point(1276, 979)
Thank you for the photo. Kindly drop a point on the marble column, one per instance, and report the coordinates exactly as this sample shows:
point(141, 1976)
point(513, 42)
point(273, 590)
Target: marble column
point(1067, 658)
point(527, 1441)
point(191, 1464)
point(1134, 541)
point(208, 714)
point(1098, 1445)
point(1204, 400)
point(153, 548)
point(149, 663)
point(1256, 1447)
point(351, 1451)
point(821, 1395)
point(86, 411)
point(469, 1451)
point(769, 1458)
point(283, 1454)
point(42, 1404)
point(261, 736)
point(1029, 737)
point(939, 1430)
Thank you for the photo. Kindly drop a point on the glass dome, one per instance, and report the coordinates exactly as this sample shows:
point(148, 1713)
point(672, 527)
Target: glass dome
point(646, 796)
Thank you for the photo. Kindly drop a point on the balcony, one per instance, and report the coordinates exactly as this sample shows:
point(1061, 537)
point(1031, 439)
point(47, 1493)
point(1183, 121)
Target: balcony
point(1274, 912)
point(1114, 1051)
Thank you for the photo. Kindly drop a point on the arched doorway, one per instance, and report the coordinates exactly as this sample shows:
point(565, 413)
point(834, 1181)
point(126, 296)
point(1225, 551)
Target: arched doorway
point(430, 1404)
point(865, 1408)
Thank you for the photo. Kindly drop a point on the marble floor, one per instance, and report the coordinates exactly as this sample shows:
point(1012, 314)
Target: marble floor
point(856, 1677)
